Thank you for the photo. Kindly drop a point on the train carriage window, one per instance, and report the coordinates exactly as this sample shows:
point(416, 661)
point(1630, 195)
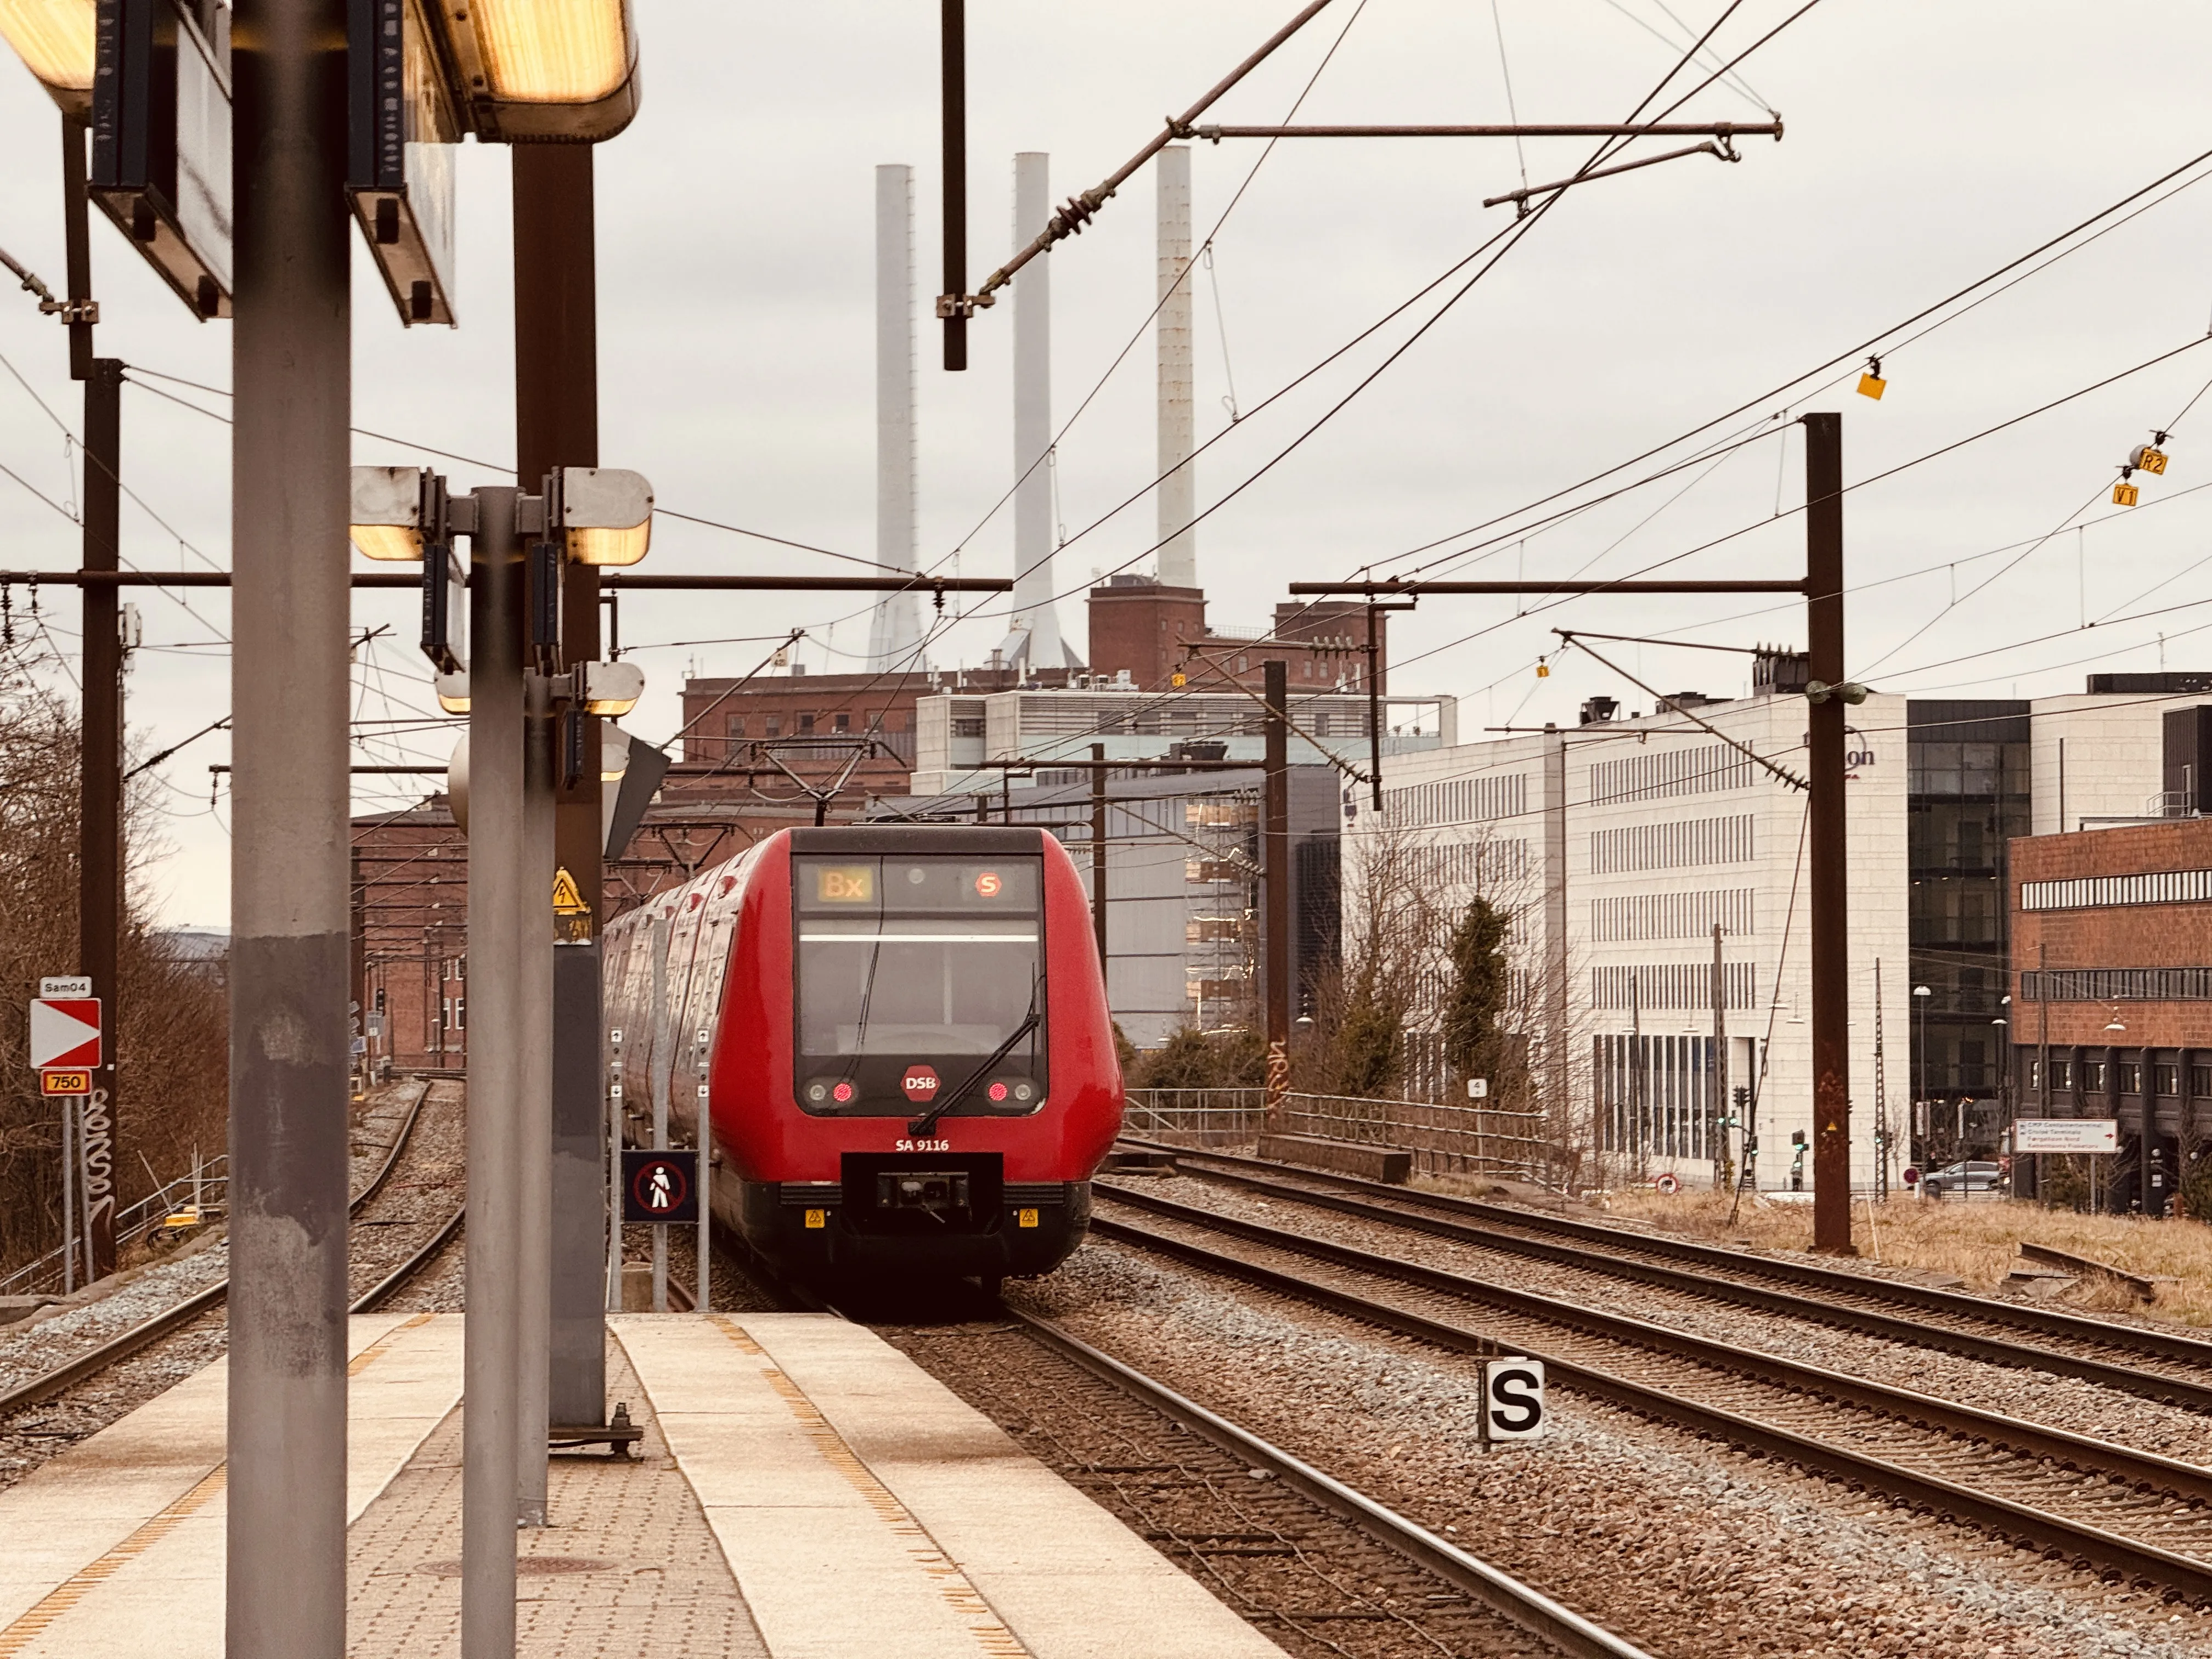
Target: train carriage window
point(919, 976)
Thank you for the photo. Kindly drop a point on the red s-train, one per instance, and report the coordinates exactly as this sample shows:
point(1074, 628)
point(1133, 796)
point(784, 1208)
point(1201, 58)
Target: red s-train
point(901, 1037)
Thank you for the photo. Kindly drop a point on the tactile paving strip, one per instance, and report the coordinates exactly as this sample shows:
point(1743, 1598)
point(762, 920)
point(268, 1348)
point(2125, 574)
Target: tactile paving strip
point(628, 1567)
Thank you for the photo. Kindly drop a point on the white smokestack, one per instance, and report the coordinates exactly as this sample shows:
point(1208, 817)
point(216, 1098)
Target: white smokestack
point(895, 635)
point(1179, 475)
point(1034, 612)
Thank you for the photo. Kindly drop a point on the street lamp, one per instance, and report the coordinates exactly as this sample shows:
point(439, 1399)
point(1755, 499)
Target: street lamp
point(54, 39)
point(1920, 995)
point(544, 68)
point(604, 516)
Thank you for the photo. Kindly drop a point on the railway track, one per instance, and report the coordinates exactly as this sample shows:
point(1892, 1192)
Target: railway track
point(1302, 1555)
point(185, 1312)
point(2122, 1514)
point(2172, 1369)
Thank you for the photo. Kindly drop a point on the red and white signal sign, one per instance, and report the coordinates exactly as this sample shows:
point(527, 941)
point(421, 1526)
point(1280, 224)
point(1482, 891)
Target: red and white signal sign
point(64, 1033)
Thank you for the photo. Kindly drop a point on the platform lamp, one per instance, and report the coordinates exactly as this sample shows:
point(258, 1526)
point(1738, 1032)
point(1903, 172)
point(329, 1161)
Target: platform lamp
point(54, 39)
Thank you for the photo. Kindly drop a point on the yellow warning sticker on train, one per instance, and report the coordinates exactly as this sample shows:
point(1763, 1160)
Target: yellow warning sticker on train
point(1025, 1217)
point(567, 898)
point(817, 1217)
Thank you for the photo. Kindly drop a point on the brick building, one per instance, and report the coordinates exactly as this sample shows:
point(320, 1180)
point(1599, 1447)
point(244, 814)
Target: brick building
point(2111, 1009)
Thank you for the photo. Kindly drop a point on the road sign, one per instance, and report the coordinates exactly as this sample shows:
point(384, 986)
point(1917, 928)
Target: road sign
point(65, 1083)
point(2066, 1135)
point(1512, 1399)
point(65, 1032)
point(660, 1187)
point(65, 985)
point(1478, 1088)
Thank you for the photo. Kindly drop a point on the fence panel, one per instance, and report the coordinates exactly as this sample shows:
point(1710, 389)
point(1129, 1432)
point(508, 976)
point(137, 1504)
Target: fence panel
point(1443, 1138)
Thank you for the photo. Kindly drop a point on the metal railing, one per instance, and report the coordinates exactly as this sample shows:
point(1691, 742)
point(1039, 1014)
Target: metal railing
point(1213, 1115)
point(1443, 1138)
point(50, 1273)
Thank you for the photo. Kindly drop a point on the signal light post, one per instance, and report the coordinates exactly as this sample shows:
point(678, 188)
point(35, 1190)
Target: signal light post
point(1826, 695)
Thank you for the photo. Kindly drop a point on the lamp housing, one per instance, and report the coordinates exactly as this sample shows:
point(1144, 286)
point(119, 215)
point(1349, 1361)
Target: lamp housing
point(56, 41)
point(453, 691)
point(608, 688)
point(396, 511)
point(603, 514)
point(543, 69)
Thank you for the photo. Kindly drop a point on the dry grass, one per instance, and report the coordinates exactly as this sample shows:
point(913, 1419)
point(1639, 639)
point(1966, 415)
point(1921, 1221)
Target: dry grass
point(1976, 1240)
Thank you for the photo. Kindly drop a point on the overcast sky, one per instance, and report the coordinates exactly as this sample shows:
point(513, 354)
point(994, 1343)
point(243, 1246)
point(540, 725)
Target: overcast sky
point(1927, 145)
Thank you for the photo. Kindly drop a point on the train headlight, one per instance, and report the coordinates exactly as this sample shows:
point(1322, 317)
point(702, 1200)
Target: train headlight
point(1022, 1091)
point(817, 1092)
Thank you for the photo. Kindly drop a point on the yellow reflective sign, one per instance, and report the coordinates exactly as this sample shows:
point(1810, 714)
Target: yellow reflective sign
point(817, 1218)
point(567, 898)
point(1025, 1217)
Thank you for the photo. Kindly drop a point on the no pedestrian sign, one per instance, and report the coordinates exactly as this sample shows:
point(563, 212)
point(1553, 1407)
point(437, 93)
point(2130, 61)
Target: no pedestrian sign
point(660, 1188)
point(65, 1033)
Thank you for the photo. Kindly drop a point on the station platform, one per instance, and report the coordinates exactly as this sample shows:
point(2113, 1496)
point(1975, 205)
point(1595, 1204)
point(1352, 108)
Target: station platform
point(803, 1491)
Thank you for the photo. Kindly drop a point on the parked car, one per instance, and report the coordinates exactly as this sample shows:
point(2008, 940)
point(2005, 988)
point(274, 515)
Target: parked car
point(1966, 1178)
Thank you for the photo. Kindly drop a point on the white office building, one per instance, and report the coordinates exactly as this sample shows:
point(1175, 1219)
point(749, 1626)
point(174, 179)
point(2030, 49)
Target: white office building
point(1620, 845)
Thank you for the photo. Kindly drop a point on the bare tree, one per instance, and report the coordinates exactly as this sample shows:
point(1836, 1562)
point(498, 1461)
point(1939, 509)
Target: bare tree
point(172, 1053)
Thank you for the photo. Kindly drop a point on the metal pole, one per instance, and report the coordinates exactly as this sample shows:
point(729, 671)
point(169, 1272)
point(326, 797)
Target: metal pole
point(954, 67)
point(611, 1126)
point(1636, 1074)
point(499, 901)
point(1717, 1073)
point(1098, 856)
point(1828, 875)
point(704, 1135)
point(664, 1077)
point(69, 1194)
point(2042, 1049)
point(291, 372)
point(1178, 494)
point(1881, 1096)
point(534, 1147)
point(100, 822)
point(1033, 610)
point(557, 424)
point(1556, 1023)
point(1374, 711)
point(895, 633)
point(1277, 861)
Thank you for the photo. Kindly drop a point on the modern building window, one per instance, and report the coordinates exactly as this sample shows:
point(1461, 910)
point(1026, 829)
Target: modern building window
point(2130, 1078)
point(2169, 1079)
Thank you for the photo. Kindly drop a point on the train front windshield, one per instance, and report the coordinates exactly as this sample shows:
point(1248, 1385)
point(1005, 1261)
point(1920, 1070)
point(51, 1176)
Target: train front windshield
point(921, 985)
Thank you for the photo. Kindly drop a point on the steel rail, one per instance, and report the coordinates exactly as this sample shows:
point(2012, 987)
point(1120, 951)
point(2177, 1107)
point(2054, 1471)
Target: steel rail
point(367, 1300)
point(2144, 1344)
point(2060, 1446)
point(2057, 1536)
point(1503, 1593)
point(94, 1361)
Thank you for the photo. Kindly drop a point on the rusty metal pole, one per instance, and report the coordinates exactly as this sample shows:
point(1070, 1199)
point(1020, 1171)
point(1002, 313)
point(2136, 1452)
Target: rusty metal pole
point(100, 760)
point(951, 303)
point(556, 424)
point(1831, 923)
point(1276, 880)
point(1098, 853)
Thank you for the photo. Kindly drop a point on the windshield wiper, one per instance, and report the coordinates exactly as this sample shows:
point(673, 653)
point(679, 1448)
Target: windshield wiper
point(922, 1125)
